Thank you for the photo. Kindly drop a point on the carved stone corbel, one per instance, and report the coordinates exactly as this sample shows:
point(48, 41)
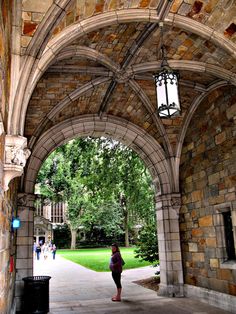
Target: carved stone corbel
point(16, 155)
point(26, 199)
point(176, 203)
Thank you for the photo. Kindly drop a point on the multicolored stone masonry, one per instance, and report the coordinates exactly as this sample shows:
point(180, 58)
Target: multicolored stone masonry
point(208, 187)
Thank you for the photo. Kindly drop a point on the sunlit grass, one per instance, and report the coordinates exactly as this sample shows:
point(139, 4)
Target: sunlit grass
point(98, 259)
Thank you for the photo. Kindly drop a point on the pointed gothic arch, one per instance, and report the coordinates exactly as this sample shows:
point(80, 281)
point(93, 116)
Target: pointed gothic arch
point(161, 170)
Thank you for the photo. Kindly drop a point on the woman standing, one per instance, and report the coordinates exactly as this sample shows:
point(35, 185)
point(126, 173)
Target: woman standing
point(116, 270)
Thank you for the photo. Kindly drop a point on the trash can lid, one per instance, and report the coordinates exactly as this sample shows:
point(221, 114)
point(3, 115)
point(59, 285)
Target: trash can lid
point(36, 278)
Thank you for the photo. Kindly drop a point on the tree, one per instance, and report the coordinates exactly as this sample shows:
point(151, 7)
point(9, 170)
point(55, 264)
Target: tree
point(147, 245)
point(75, 198)
point(99, 178)
point(103, 218)
point(131, 182)
point(62, 236)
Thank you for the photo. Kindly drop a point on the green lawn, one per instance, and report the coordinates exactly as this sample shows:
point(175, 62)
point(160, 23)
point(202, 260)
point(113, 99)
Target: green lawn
point(98, 259)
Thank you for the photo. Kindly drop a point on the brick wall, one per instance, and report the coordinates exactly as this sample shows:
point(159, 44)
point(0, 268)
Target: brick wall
point(208, 187)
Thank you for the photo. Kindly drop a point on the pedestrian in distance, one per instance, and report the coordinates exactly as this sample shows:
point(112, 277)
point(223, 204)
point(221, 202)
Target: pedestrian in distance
point(45, 250)
point(54, 249)
point(38, 251)
point(116, 263)
point(34, 250)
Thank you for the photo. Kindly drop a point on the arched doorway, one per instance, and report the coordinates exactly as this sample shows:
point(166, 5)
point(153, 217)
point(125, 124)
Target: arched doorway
point(109, 53)
point(167, 203)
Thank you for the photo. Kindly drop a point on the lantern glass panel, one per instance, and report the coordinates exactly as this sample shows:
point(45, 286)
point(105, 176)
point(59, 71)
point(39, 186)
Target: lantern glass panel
point(172, 92)
point(161, 93)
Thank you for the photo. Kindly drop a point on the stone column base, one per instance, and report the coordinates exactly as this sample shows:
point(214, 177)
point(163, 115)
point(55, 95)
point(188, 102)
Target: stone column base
point(171, 291)
point(218, 299)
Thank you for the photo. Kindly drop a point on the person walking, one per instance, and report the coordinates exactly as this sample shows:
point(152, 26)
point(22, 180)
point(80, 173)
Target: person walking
point(34, 250)
point(54, 249)
point(116, 270)
point(45, 249)
point(38, 251)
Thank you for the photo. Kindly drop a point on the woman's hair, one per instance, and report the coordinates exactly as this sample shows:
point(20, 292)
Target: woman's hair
point(116, 246)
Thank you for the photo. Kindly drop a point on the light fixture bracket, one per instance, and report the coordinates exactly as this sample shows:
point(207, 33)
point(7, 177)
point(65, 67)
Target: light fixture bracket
point(166, 80)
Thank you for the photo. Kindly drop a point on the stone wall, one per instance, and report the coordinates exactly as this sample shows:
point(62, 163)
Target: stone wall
point(5, 57)
point(7, 249)
point(7, 201)
point(33, 13)
point(208, 187)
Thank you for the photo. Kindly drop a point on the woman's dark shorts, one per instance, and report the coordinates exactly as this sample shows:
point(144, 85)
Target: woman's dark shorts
point(117, 277)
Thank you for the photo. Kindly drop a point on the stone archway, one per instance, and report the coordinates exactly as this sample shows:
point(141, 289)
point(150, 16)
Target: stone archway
point(43, 41)
point(167, 200)
point(34, 67)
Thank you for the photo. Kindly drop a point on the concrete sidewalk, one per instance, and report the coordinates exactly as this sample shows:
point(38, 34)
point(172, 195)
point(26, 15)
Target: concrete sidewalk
point(75, 289)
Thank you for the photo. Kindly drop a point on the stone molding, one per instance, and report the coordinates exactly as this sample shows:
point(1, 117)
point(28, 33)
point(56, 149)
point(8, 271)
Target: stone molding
point(92, 54)
point(55, 13)
point(26, 200)
point(167, 201)
point(136, 138)
point(16, 155)
point(186, 65)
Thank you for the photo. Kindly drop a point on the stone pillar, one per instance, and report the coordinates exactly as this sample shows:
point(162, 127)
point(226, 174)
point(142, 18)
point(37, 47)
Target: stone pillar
point(167, 207)
point(24, 244)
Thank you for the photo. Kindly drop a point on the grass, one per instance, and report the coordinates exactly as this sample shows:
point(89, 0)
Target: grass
point(98, 259)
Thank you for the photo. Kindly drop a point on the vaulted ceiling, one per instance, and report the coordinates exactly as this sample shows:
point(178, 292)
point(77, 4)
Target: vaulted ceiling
point(103, 55)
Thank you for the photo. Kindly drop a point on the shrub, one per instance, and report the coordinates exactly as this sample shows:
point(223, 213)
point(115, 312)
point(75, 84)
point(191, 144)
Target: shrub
point(147, 245)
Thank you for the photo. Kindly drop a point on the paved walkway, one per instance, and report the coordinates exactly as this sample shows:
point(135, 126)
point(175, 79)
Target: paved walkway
point(77, 290)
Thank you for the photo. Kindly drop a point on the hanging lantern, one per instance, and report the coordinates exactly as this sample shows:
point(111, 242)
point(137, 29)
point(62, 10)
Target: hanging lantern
point(166, 81)
point(167, 93)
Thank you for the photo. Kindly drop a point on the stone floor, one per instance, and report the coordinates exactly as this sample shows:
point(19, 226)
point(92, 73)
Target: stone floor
point(75, 289)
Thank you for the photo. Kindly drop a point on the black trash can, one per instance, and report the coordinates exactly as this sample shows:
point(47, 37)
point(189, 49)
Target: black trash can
point(36, 294)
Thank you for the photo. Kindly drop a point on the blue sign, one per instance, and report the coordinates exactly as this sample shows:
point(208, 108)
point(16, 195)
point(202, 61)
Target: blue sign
point(16, 223)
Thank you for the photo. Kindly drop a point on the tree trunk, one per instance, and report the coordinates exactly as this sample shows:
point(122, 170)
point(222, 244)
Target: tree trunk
point(126, 219)
point(126, 229)
point(73, 238)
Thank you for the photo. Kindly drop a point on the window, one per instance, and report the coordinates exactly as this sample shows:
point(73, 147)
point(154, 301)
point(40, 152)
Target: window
point(229, 235)
point(225, 227)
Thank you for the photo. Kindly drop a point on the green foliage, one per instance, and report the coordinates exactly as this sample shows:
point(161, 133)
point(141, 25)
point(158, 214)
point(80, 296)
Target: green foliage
point(104, 215)
point(62, 236)
point(147, 245)
point(105, 185)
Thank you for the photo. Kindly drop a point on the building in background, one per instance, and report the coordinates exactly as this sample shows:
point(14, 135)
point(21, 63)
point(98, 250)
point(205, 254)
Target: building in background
point(48, 215)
